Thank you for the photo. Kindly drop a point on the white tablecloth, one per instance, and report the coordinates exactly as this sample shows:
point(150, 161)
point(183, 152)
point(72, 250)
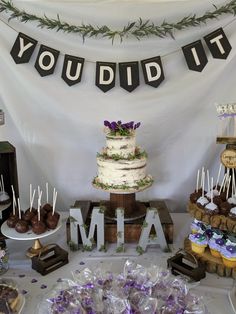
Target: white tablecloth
point(214, 289)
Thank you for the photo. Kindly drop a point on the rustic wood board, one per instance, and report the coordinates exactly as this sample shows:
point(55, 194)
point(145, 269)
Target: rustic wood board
point(212, 264)
point(132, 229)
point(225, 140)
point(221, 222)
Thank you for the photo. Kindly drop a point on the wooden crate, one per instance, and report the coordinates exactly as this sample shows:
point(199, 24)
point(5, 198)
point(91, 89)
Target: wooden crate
point(132, 229)
point(8, 168)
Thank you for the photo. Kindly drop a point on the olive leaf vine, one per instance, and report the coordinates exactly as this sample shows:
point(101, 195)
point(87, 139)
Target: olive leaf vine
point(138, 29)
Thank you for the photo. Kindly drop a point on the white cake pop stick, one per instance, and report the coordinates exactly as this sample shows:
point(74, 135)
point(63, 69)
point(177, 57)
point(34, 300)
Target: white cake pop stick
point(47, 192)
point(222, 183)
point(211, 190)
point(14, 200)
point(218, 176)
point(203, 183)
point(233, 183)
point(54, 203)
point(198, 173)
point(227, 193)
point(3, 188)
point(39, 205)
point(30, 192)
point(208, 181)
point(202, 175)
point(19, 208)
point(32, 201)
point(226, 179)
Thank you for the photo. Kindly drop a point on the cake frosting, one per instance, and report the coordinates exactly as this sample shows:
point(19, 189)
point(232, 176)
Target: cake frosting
point(121, 164)
point(123, 146)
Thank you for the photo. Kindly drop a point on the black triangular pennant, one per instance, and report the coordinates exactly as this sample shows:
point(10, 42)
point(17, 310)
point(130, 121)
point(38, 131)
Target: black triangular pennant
point(105, 75)
point(129, 75)
point(23, 48)
point(218, 44)
point(195, 56)
point(153, 71)
point(72, 69)
point(46, 60)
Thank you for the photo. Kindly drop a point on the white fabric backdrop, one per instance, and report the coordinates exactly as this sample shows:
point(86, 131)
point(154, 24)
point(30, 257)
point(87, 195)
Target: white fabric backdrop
point(57, 130)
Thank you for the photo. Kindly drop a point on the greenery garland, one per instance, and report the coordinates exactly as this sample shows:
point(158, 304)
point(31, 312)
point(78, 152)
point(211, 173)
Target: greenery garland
point(138, 29)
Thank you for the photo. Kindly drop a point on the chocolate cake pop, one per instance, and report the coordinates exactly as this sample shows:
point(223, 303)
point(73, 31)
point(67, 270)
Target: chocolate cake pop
point(21, 226)
point(52, 220)
point(211, 208)
point(195, 196)
point(39, 227)
point(53, 216)
point(47, 207)
point(225, 208)
point(29, 214)
point(12, 220)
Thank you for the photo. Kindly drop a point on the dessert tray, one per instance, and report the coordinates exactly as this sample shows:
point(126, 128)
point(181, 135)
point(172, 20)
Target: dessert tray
point(29, 235)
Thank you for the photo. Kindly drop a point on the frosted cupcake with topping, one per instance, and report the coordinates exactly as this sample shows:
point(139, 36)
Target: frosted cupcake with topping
point(198, 242)
point(216, 242)
point(197, 226)
point(228, 254)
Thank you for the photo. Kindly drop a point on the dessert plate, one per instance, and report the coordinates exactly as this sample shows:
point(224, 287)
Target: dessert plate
point(29, 235)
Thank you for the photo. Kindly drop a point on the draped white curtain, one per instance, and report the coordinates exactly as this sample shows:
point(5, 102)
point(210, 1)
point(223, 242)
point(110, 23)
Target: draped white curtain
point(57, 130)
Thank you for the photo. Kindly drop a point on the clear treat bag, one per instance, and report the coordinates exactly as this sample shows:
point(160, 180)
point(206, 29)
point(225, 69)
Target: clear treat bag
point(136, 290)
point(226, 126)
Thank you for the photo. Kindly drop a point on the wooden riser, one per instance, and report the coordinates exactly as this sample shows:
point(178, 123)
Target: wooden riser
point(132, 228)
point(212, 264)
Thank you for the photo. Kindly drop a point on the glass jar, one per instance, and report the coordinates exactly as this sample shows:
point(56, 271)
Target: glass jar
point(4, 257)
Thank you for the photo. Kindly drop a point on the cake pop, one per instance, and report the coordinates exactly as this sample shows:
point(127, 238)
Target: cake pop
point(21, 225)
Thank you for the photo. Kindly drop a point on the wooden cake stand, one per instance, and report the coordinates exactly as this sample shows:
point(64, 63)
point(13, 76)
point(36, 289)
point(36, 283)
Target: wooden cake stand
point(37, 247)
point(125, 199)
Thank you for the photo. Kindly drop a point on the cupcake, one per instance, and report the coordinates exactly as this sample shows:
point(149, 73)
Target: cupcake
point(196, 226)
point(198, 242)
point(228, 254)
point(216, 242)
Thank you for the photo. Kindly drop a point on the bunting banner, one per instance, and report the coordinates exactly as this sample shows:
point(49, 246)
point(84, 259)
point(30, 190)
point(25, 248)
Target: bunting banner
point(129, 72)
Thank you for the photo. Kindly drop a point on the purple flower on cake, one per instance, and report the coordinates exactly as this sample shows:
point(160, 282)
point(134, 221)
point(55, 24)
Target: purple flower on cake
point(119, 128)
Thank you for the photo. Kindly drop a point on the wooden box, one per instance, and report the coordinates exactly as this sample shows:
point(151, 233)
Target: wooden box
point(132, 229)
point(8, 168)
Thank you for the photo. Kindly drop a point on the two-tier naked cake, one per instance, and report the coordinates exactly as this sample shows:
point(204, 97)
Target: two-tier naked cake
point(122, 164)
